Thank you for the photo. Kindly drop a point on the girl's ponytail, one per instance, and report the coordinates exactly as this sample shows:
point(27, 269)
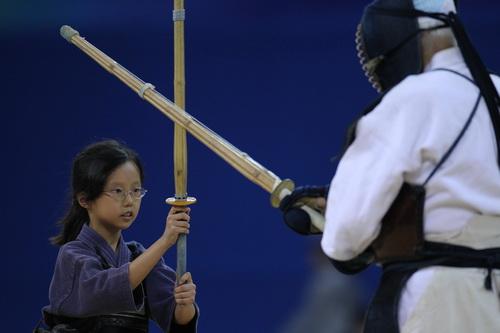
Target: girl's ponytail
point(70, 224)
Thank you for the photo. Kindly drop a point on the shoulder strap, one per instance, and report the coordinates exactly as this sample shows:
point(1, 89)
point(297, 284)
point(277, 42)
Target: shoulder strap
point(457, 73)
point(462, 132)
point(480, 75)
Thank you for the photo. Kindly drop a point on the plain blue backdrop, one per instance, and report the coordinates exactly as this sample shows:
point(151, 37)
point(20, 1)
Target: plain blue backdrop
point(278, 79)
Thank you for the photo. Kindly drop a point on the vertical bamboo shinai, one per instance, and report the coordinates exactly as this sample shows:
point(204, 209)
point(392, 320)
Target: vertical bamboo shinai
point(180, 148)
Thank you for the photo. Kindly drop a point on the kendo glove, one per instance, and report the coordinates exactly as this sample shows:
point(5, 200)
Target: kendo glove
point(295, 217)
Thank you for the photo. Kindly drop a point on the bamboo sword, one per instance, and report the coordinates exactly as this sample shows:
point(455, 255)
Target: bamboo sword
point(239, 160)
point(180, 148)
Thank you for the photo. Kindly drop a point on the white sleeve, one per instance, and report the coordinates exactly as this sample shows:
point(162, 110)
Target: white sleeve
point(369, 177)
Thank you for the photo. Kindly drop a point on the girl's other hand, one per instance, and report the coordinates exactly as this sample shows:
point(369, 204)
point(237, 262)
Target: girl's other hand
point(185, 292)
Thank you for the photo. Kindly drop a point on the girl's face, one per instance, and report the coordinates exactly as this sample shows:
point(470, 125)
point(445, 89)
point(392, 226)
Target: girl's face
point(117, 207)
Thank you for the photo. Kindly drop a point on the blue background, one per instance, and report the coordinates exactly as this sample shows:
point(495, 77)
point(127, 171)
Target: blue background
point(278, 79)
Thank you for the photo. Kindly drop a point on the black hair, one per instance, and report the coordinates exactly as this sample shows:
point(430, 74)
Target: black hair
point(91, 169)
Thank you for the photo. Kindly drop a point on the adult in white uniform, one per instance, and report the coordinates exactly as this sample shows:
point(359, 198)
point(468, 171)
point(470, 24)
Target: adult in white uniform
point(434, 134)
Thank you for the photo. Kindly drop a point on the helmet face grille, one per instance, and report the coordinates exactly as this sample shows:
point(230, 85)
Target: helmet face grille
point(368, 65)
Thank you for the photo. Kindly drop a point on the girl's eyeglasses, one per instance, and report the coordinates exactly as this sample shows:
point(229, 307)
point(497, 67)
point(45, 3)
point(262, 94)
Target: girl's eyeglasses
point(120, 195)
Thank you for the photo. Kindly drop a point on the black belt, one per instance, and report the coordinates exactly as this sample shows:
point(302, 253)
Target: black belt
point(382, 315)
point(122, 324)
point(442, 254)
point(114, 323)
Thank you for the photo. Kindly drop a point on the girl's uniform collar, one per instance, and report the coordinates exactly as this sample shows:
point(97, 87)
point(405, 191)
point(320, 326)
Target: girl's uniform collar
point(91, 238)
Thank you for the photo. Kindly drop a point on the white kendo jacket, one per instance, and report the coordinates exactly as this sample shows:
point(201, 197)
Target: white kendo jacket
point(402, 140)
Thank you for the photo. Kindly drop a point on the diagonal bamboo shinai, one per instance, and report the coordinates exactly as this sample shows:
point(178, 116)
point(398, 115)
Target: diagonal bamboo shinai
point(239, 160)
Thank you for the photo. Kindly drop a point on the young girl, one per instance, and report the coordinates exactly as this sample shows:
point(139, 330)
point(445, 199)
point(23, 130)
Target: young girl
point(102, 283)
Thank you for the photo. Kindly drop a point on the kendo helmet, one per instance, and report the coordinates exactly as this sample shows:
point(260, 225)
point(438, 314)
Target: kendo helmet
point(387, 38)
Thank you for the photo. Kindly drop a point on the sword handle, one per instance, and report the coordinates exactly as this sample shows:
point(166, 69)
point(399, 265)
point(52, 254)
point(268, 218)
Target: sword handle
point(182, 239)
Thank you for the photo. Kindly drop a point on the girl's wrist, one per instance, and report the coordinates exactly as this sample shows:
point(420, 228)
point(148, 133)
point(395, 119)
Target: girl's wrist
point(184, 313)
point(166, 242)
